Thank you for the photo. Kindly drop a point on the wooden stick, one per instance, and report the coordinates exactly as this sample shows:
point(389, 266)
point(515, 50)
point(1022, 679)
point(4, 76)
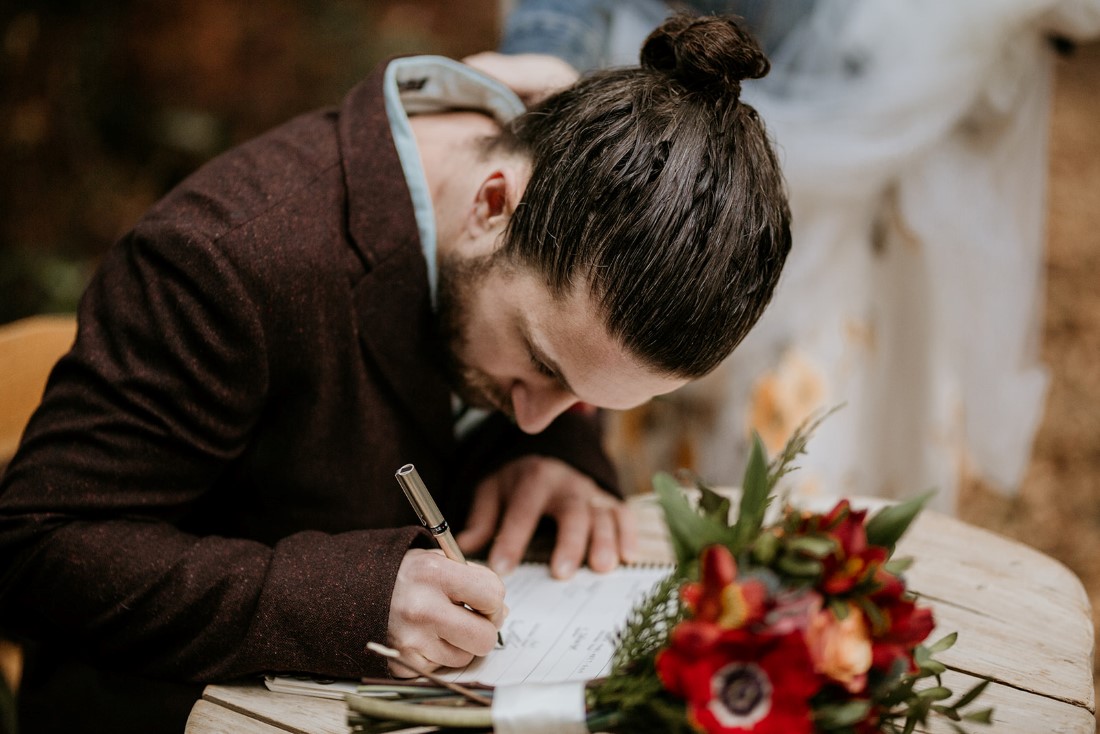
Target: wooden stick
point(389, 652)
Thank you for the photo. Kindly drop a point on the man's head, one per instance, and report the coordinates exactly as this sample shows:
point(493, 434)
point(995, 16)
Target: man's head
point(647, 241)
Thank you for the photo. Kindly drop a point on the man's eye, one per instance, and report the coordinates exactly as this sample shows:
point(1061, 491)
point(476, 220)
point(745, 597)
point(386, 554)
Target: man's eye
point(541, 367)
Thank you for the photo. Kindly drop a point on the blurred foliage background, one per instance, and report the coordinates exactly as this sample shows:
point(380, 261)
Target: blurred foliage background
point(106, 105)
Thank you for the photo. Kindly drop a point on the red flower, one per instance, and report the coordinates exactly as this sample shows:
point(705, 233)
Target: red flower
point(854, 561)
point(735, 682)
point(718, 597)
point(908, 626)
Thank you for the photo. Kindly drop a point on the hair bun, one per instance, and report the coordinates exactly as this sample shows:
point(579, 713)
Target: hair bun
point(709, 54)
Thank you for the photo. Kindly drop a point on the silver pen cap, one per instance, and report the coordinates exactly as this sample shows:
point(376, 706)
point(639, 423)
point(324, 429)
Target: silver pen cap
point(419, 497)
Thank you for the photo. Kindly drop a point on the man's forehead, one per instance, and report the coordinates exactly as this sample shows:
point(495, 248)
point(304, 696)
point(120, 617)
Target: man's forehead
point(569, 333)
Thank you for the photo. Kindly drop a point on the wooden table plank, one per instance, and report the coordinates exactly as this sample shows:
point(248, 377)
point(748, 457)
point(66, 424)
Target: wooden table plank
point(296, 714)
point(214, 718)
point(1015, 712)
point(1008, 598)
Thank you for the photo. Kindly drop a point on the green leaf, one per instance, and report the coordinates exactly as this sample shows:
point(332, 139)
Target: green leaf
point(754, 498)
point(841, 715)
point(968, 697)
point(984, 716)
point(932, 667)
point(814, 546)
point(765, 548)
point(936, 693)
point(714, 505)
point(689, 531)
point(948, 711)
point(806, 568)
point(944, 643)
point(874, 615)
point(890, 523)
point(839, 608)
point(898, 566)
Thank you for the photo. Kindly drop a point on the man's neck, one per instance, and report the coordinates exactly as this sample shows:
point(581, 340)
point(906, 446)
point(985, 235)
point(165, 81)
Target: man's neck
point(450, 152)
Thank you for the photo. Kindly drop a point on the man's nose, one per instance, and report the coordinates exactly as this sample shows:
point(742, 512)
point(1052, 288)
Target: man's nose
point(536, 407)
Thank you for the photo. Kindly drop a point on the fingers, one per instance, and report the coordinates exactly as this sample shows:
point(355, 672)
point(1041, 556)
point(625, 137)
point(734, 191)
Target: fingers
point(517, 527)
point(437, 654)
point(601, 525)
point(476, 586)
point(428, 621)
point(574, 518)
point(482, 521)
point(591, 523)
point(603, 551)
point(627, 524)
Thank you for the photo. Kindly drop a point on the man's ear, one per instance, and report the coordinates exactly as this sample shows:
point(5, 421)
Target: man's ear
point(494, 202)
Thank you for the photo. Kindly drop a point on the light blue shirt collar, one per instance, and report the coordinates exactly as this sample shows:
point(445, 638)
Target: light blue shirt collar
point(423, 84)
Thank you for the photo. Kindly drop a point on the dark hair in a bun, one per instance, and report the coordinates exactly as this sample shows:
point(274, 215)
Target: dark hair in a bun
point(709, 54)
point(659, 191)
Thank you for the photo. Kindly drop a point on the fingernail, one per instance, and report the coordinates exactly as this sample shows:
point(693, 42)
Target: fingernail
point(564, 569)
point(604, 561)
point(501, 566)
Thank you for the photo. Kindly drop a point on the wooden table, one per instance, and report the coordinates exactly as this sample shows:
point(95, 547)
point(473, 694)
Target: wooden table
point(1023, 621)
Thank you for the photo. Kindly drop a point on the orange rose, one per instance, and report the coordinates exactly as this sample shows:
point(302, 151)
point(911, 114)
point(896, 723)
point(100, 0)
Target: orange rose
point(841, 648)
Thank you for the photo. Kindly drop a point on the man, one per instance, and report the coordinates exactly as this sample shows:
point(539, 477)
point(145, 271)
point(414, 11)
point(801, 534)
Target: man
point(419, 276)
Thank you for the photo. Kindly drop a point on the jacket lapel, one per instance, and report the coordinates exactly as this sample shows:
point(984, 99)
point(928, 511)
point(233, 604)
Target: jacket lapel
point(396, 323)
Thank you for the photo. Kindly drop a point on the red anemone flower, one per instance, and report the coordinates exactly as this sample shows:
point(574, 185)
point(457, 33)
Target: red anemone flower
point(736, 683)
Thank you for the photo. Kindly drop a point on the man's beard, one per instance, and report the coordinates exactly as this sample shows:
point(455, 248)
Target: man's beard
point(459, 279)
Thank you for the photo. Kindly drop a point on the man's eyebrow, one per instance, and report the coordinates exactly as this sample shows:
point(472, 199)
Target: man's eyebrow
point(550, 364)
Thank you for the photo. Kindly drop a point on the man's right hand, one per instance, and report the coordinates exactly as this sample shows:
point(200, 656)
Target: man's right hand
point(429, 624)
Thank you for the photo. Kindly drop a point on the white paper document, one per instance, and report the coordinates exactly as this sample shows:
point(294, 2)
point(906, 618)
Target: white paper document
point(560, 630)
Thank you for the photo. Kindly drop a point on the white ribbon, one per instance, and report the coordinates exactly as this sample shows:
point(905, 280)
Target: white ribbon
point(539, 708)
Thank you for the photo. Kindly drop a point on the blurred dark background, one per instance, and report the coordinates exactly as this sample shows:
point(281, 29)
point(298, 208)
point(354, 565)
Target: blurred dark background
point(106, 105)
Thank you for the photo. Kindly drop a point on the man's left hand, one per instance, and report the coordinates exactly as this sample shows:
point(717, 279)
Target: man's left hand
point(510, 503)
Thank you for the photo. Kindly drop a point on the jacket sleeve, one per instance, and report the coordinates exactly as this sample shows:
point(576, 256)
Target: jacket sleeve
point(160, 392)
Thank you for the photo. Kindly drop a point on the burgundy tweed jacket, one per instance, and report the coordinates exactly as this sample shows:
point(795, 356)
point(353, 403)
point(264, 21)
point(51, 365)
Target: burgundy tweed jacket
point(207, 490)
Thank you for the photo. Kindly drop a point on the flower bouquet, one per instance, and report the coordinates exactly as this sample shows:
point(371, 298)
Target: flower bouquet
point(792, 625)
point(803, 624)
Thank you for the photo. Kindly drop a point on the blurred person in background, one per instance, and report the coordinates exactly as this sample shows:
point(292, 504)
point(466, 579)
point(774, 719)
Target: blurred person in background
point(913, 140)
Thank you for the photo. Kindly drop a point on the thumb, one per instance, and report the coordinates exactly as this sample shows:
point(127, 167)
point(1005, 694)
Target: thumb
point(481, 525)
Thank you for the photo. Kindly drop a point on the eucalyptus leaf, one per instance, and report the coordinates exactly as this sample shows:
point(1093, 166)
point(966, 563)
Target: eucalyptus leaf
point(841, 715)
point(984, 716)
point(944, 643)
point(972, 694)
point(936, 693)
point(800, 567)
point(898, 566)
point(948, 711)
point(814, 546)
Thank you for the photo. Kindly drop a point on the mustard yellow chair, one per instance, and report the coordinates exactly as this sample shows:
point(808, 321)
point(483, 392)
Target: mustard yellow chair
point(29, 348)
